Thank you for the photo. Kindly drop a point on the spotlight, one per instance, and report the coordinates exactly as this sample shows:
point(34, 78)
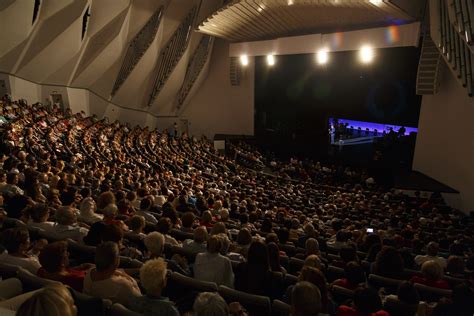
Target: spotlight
point(244, 60)
point(376, 2)
point(270, 60)
point(366, 54)
point(322, 56)
point(290, 2)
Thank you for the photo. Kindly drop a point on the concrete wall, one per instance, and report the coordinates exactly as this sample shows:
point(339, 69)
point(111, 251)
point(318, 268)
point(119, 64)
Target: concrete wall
point(218, 107)
point(445, 142)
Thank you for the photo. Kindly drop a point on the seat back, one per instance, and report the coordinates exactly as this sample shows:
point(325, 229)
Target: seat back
point(280, 308)
point(120, 310)
point(390, 285)
point(333, 273)
point(181, 236)
point(256, 305)
point(32, 282)
point(82, 253)
point(341, 295)
point(189, 255)
point(431, 294)
point(8, 270)
point(295, 265)
point(397, 308)
point(184, 283)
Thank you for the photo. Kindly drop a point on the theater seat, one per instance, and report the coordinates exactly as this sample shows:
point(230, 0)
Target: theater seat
point(120, 310)
point(390, 285)
point(32, 282)
point(280, 308)
point(295, 265)
point(183, 290)
point(8, 270)
point(333, 273)
point(181, 236)
point(431, 294)
point(189, 255)
point(340, 294)
point(397, 308)
point(82, 253)
point(256, 305)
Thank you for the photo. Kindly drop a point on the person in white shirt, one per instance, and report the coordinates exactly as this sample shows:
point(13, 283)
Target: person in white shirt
point(106, 281)
point(17, 244)
point(67, 226)
point(431, 254)
point(212, 266)
point(88, 208)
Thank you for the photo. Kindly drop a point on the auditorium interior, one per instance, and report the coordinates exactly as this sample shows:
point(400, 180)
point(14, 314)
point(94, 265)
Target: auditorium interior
point(237, 157)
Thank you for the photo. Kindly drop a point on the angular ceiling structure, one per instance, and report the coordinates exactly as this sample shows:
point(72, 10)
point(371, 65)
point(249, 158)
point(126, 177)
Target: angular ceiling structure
point(250, 20)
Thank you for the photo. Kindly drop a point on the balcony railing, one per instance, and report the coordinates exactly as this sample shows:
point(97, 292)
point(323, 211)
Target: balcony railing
point(137, 48)
point(195, 66)
point(171, 54)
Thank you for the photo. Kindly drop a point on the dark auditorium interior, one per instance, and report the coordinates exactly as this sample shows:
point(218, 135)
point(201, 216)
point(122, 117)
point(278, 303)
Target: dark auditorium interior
point(236, 157)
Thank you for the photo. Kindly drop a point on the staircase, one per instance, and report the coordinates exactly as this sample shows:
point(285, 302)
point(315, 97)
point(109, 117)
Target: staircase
point(427, 81)
point(452, 23)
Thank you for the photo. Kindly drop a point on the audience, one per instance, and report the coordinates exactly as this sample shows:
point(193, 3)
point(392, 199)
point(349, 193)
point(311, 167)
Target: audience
point(52, 161)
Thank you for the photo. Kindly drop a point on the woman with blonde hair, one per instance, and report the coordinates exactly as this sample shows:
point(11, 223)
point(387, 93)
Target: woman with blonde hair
point(54, 300)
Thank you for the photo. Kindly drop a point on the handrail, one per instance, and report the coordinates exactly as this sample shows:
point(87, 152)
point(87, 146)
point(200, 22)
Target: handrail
point(171, 54)
point(137, 48)
point(454, 46)
point(195, 67)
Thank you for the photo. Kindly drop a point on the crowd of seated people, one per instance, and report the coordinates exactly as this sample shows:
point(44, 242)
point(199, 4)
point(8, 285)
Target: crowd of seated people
point(164, 225)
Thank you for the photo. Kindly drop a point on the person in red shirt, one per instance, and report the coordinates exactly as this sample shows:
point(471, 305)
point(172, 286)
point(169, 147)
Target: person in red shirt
point(432, 276)
point(54, 259)
point(367, 302)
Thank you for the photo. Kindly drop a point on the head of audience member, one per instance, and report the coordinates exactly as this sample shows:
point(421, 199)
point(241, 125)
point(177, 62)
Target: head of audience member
point(53, 300)
point(305, 299)
point(110, 211)
point(274, 257)
point(218, 228)
point(244, 237)
point(432, 249)
point(258, 255)
point(313, 261)
point(210, 304)
point(200, 235)
point(145, 204)
point(224, 215)
point(107, 257)
point(312, 247)
point(54, 257)
point(113, 233)
point(65, 216)
point(187, 220)
point(432, 270)
point(155, 244)
point(16, 241)
point(367, 301)
point(39, 213)
point(455, 266)
point(164, 225)
point(94, 236)
point(153, 276)
point(214, 244)
point(206, 218)
point(354, 273)
point(104, 199)
point(407, 293)
point(389, 262)
point(316, 277)
point(137, 224)
point(348, 253)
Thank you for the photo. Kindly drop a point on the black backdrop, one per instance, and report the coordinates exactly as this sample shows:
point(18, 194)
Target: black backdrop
point(295, 98)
